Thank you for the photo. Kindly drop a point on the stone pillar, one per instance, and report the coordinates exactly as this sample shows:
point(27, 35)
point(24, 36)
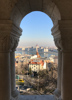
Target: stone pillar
point(66, 46)
point(5, 46)
point(59, 69)
point(14, 92)
point(4, 75)
point(57, 92)
point(67, 76)
point(9, 37)
point(14, 42)
point(63, 38)
point(57, 40)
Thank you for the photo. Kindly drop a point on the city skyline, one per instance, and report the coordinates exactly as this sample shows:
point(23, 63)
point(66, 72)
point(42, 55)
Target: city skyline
point(36, 28)
point(54, 47)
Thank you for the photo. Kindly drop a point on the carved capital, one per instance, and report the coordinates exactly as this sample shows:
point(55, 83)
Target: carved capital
point(14, 43)
point(8, 43)
point(58, 43)
point(65, 27)
point(4, 43)
point(9, 36)
point(62, 33)
point(64, 44)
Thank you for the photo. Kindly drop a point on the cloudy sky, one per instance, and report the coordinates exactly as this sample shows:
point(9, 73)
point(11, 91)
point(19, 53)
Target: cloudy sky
point(36, 28)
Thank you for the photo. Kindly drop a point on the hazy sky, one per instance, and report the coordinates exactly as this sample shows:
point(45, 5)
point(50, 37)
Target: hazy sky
point(36, 28)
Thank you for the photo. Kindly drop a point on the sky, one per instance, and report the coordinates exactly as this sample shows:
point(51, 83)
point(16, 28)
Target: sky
point(36, 28)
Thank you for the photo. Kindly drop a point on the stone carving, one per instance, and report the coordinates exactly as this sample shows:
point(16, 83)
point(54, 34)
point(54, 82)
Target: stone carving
point(64, 44)
point(51, 10)
point(15, 95)
point(14, 43)
point(4, 43)
point(57, 93)
point(58, 43)
point(48, 7)
point(8, 43)
point(62, 36)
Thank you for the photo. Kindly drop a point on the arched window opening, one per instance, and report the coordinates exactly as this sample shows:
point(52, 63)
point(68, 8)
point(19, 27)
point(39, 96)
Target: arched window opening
point(36, 56)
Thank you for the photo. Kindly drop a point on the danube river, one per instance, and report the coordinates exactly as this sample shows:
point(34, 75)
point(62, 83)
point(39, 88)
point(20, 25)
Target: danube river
point(42, 54)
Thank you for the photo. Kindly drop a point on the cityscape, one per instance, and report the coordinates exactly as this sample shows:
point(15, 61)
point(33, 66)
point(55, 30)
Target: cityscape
point(35, 49)
point(36, 70)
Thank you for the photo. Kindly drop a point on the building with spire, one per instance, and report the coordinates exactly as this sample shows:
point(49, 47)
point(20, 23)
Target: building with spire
point(36, 63)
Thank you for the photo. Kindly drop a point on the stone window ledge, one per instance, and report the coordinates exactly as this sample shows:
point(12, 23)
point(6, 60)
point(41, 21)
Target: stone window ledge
point(36, 97)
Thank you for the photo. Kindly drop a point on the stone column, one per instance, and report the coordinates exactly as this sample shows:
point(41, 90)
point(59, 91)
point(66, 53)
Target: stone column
point(57, 40)
point(4, 75)
point(59, 69)
point(66, 46)
point(63, 39)
point(9, 37)
point(67, 76)
point(14, 92)
point(5, 90)
point(57, 92)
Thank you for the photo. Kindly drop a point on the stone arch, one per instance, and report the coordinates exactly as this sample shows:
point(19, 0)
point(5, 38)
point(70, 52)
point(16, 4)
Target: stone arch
point(23, 7)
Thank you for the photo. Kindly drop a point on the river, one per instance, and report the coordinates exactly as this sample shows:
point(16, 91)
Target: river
point(42, 54)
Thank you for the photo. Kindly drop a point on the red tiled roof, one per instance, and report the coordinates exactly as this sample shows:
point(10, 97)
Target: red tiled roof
point(41, 62)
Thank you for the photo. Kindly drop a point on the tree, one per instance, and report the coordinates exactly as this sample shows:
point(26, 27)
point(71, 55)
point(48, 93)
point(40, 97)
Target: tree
point(30, 71)
point(23, 72)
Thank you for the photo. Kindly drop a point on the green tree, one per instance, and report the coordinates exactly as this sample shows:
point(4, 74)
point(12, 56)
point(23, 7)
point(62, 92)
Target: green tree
point(22, 71)
point(30, 71)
